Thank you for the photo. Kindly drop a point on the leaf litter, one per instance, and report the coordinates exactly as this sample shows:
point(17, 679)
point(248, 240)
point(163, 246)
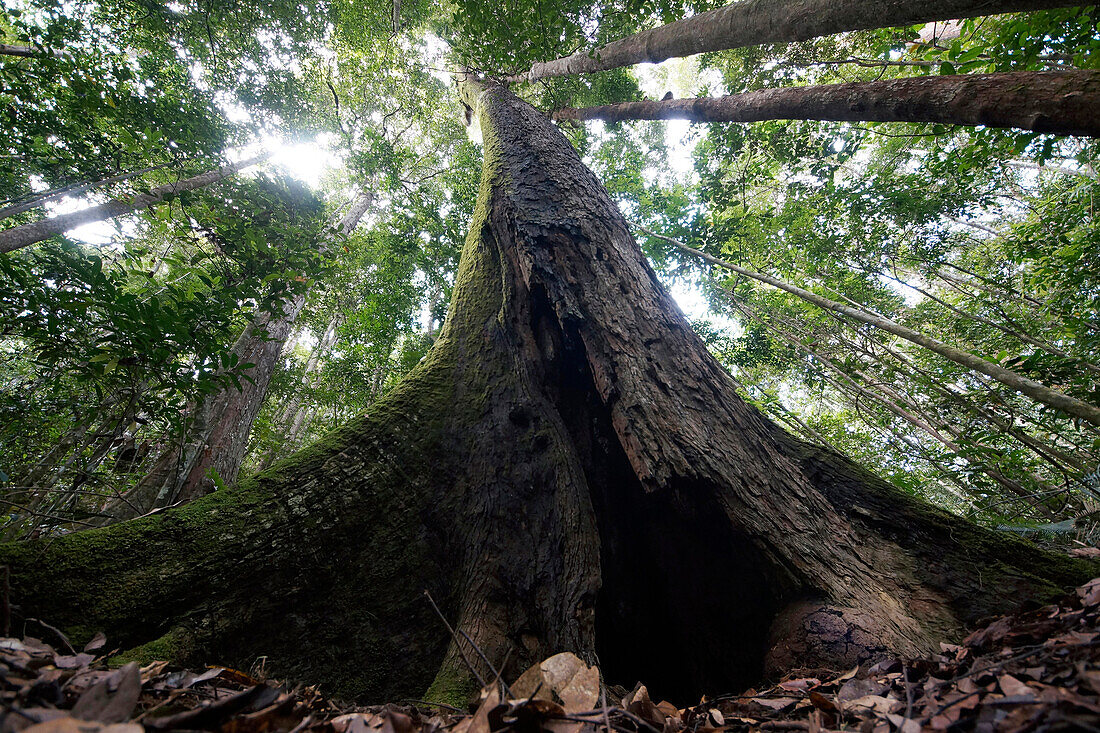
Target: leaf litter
point(1034, 671)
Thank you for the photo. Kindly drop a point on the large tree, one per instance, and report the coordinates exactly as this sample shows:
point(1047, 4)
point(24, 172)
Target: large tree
point(568, 469)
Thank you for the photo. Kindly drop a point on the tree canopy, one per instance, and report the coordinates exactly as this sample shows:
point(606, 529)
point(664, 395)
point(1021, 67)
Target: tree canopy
point(980, 238)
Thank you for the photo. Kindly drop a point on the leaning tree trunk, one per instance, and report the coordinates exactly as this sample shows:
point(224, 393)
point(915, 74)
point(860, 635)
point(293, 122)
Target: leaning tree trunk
point(567, 469)
point(1058, 102)
point(755, 22)
point(215, 438)
point(27, 234)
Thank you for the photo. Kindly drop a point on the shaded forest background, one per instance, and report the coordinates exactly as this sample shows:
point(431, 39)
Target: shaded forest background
point(259, 293)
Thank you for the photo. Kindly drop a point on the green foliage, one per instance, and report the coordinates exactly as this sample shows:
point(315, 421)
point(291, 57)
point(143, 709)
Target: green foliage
point(984, 239)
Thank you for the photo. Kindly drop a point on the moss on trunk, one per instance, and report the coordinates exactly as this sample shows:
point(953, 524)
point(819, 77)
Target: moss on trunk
point(568, 469)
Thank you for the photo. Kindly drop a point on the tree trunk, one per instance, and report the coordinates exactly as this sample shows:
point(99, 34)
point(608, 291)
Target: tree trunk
point(755, 22)
point(567, 469)
point(28, 234)
point(74, 189)
point(216, 437)
point(217, 429)
point(290, 419)
point(1059, 102)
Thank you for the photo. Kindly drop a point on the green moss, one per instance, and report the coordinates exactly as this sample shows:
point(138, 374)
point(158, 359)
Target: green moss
point(176, 646)
point(452, 687)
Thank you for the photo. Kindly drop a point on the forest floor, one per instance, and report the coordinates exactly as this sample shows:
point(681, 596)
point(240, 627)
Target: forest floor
point(1034, 671)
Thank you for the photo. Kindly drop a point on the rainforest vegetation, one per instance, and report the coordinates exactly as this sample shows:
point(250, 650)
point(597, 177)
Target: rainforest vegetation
point(309, 307)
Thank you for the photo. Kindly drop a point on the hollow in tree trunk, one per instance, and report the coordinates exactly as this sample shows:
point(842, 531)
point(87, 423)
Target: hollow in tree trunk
point(567, 469)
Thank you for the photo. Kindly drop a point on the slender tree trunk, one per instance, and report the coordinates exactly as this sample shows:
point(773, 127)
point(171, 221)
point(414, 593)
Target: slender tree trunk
point(1035, 390)
point(567, 469)
point(290, 419)
point(1013, 330)
point(899, 405)
point(38, 200)
point(755, 22)
point(1057, 458)
point(1060, 102)
point(215, 439)
point(11, 49)
point(28, 234)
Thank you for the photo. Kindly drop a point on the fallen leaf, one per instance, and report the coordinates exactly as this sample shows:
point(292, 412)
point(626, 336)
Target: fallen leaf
point(111, 700)
point(73, 661)
point(875, 703)
point(98, 642)
point(1014, 688)
point(669, 710)
point(349, 723)
point(903, 724)
point(775, 703)
point(72, 725)
point(576, 684)
point(1089, 593)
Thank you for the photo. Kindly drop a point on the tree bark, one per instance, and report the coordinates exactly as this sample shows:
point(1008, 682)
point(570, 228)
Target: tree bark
point(28, 234)
point(39, 200)
point(1058, 102)
point(216, 439)
point(11, 49)
point(756, 22)
point(567, 469)
point(216, 433)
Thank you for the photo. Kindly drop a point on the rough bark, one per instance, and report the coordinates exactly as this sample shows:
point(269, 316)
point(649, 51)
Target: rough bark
point(755, 22)
point(567, 469)
point(28, 234)
point(1058, 102)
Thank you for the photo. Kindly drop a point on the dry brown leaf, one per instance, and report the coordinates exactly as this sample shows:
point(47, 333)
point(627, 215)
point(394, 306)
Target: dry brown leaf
point(530, 683)
point(644, 708)
point(112, 699)
point(821, 702)
point(563, 676)
point(1089, 593)
point(775, 703)
point(844, 677)
point(574, 682)
point(1013, 687)
point(874, 703)
point(72, 725)
point(903, 724)
point(98, 642)
point(350, 723)
point(669, 710)
point(28, 717)
point(479, 721)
